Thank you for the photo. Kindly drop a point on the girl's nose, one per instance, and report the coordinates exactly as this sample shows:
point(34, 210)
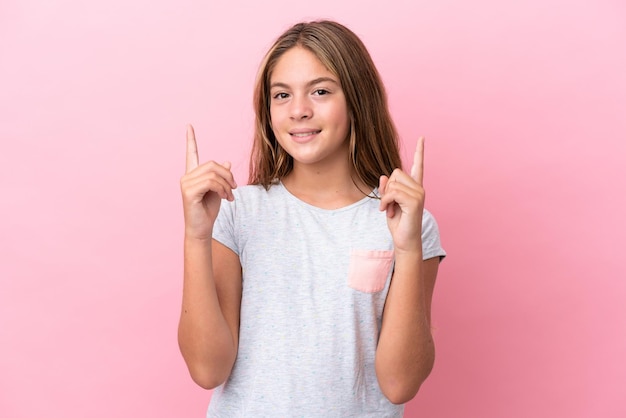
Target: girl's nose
point(301, 108)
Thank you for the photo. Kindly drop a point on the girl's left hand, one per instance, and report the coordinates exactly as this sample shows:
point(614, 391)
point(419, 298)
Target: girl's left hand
point(402, 196)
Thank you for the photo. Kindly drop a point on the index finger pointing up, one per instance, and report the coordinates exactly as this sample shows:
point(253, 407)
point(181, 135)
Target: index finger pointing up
point(192, 150)
point(417, 170)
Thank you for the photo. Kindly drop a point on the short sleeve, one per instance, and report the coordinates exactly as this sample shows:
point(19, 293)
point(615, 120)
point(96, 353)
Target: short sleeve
point(224, 227)
point(431, 242)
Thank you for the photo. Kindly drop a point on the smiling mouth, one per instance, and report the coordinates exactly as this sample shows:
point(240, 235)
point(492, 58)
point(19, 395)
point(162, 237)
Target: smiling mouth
point(304, 134)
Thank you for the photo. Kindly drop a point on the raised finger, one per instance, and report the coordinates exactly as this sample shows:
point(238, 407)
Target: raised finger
point(417, 170)
point(382, 184)
point(192, 150)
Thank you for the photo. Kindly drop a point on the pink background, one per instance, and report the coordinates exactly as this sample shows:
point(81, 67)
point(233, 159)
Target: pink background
point(524, 108)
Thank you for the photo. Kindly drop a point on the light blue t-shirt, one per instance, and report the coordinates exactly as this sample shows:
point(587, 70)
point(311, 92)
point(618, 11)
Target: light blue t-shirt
point(314, 288)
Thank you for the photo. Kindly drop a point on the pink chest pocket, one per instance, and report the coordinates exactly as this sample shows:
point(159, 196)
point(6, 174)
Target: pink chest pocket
point(368, 270)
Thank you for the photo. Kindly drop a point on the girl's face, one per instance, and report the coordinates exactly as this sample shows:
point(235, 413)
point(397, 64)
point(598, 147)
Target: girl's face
point(308, 109)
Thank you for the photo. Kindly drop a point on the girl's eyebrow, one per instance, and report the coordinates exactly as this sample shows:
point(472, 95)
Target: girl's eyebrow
point(309, 84)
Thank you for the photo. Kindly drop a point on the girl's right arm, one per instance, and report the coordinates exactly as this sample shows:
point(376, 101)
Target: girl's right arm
point(208, 330)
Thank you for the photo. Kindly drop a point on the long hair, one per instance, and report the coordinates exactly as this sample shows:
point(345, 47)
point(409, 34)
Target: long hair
point(373, 137)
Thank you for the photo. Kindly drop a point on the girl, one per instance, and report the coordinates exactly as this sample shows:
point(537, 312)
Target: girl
point(308, 292)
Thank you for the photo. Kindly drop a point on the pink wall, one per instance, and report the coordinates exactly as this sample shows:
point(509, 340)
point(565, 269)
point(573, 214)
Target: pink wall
point(524, 109)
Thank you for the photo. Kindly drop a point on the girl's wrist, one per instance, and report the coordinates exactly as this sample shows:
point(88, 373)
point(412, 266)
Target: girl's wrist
point(408, 255)
point(198, 240)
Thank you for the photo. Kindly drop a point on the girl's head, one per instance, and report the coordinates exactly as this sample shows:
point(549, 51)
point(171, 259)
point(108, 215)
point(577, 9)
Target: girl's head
point(372, 137)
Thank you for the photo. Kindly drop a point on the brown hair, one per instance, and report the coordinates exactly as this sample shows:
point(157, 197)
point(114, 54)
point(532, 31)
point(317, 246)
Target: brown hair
point(373, 137)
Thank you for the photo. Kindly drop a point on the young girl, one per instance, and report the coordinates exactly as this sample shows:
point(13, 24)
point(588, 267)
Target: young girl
point(308, 292)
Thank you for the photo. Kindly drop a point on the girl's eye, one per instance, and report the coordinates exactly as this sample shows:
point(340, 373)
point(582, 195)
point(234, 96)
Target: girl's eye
point(281, 96)
point(320, 92)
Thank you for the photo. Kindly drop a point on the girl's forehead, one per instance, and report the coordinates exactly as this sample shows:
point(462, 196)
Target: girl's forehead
point(298, 64)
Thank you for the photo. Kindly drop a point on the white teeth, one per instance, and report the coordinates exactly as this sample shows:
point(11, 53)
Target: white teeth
point(305, 134)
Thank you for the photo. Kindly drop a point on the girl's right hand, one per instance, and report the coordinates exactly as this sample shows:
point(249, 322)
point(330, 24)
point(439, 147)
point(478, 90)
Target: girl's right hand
point(203, 187)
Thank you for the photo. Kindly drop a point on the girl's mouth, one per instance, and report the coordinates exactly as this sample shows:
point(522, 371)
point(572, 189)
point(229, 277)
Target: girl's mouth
point(304, 134)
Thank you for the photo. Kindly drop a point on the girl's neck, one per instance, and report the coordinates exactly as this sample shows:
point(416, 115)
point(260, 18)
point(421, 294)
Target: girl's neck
point(325, 187)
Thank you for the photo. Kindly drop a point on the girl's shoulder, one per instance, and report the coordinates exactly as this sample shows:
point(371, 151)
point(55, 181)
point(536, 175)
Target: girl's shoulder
point(431, 240)
point(254, 196)
point(252, 191)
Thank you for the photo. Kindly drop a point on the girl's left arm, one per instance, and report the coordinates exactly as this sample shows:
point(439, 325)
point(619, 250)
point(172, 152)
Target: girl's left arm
point(406, 353)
